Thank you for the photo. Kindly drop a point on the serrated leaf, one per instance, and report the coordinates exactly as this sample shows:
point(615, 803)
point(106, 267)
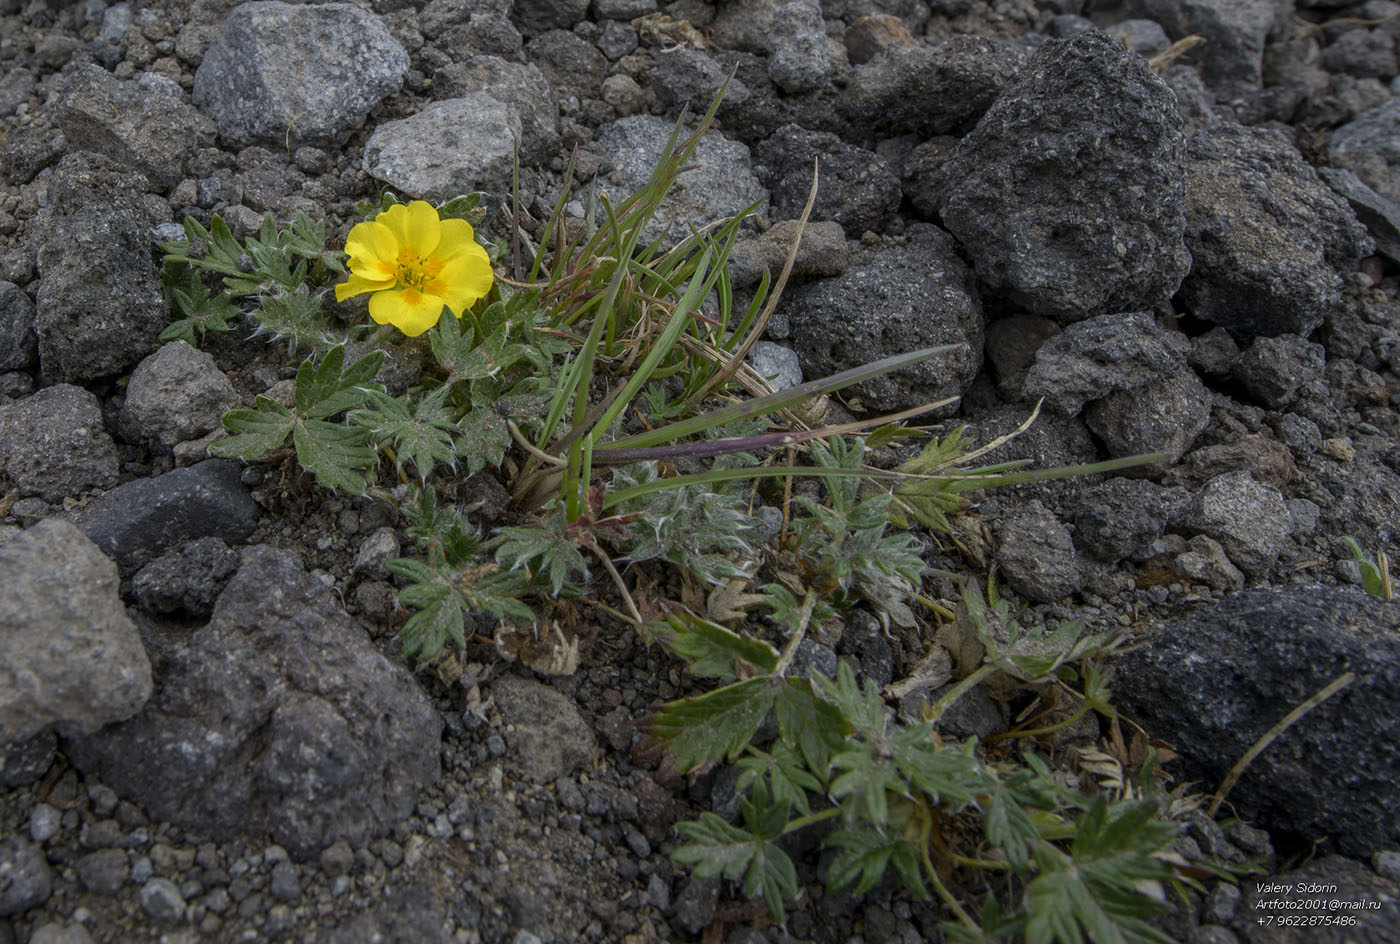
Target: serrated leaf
point(334, 454)
point(814, 727)
point(329, 388)
point(421, 433)
point(1010, 828)
point(864, 856)
point(711, 650)
point(703, 730)
point(781, 773)
point(256, 432)
point(717, 848)
point(545, 548)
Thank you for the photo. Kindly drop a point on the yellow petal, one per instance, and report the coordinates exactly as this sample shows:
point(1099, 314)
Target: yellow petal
point(466, 278)
point(372, 248)
point(457, 237)
point(358, 285)
point(409, 310)
point(415, 226)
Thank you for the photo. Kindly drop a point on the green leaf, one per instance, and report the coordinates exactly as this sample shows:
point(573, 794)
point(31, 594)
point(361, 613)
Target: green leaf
point(814, 727)
point(196, 310)
point(256, 432)
point(1009, 827)
point(444, 595)
point(483, 434)
point(711, 650)
point(333, 388)
point(296, 316)
point(545, 548)
point(717, 848)
point(334, 454)
point(421, 433)
point(703, 730)
point(1094, 891)
point(781, 773)
point(864, 856)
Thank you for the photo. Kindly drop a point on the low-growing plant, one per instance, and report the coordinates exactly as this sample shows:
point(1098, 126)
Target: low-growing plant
point(1375, 574)
point(605, 384)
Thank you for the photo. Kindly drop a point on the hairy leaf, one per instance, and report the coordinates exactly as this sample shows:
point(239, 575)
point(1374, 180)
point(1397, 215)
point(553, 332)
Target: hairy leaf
point(700, 731)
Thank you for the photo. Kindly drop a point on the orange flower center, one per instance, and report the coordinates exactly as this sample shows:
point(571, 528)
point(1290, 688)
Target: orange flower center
point(416, 274)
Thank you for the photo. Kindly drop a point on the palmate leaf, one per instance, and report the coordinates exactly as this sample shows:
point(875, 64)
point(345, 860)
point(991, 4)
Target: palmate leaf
point(335, 454)
point(483, 434)
point(782, 773)
point(1007, 824)
point(471, 354)
point(866, 854)
point(421, 432)
point(1092, 891)
point(544, 548)
point(700, 731)
point(814, 727)
point(444, 596)
point(717, 848)
point(951, 776)
point(197, 310)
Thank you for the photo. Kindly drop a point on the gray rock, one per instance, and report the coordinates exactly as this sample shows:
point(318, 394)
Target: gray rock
point(1369, 145)
point(940, 88)
point(284, 884)
point(16, 85)
point(1116, 519)
point(744, 26)
point(60, 934)
point(855, 187)
point(1069, 193)
point(161, 899)
point(864, 638)
point(1266, 460)
point(19, 346)
point(29, 149)
point(69, 656)
point(52, 444)
point(99, 307)
point(175, 395)
point(140, 520)
point(1274, 369)
point(25, 880)
point(1268, 238)
point(187, 580)
point(448, 148)
point(1012, 343)
point(143, 124)
point(1053, 440)
point(278, 73)
point(24, 762)
point(1144, 37)
point(777, 364)
point(686, 77)
point(568, 60)
point(103, 871)
point(1213, 681)
point(1092, 359)
point(1214, 353)
point(811, 658)
point(721, 185)
point(1380, 215)
point(380, 546)
point(618, 40)
point(821, 253)
point(1162, 416)
point(45, 821)
point(903, 299)
point(872, 35)
point(1234, 33)
point(622, 9)
point(536, 16)
point(547, 736)
point(1204, 561)
point(1248, 518)
point(278, 718)
point(624, 94)
point(974, 714)
point(1036, 555)
point(798, 59)
point(695, 905)
point(522, 86)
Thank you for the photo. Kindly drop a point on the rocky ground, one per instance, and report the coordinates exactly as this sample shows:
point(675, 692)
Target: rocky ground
point(1183, 249)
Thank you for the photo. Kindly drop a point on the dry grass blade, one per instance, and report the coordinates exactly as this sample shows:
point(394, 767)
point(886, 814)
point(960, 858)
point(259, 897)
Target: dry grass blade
point(1288, 720)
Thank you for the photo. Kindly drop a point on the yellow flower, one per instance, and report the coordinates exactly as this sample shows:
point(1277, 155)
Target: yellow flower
point(414, 263)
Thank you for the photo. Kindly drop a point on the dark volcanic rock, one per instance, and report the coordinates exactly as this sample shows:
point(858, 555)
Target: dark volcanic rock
point(1069, 193)
point(143, 123)
point(278, 718)
point(1212, 682)
point(855, 187)
point(903, 299)
point(1268, 238)
point(145, 517)
point(925, 90)
point(1092, 359)
point(1234, 33)
point(99, 306)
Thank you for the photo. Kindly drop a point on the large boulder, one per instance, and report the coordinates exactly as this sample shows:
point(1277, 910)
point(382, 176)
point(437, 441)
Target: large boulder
point(279, 718)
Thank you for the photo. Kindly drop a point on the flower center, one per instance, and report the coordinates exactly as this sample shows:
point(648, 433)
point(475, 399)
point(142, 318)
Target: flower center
point(415, 272)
